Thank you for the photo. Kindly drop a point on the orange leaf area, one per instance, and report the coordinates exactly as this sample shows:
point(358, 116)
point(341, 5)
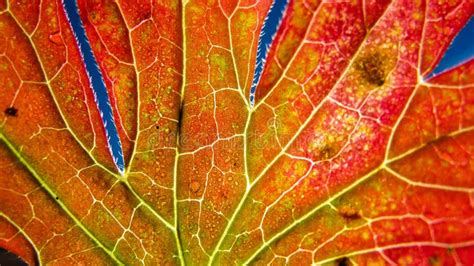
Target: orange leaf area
point(348, 157)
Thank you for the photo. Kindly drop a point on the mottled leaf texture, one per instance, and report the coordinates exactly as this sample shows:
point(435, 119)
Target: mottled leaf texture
point(349, 155)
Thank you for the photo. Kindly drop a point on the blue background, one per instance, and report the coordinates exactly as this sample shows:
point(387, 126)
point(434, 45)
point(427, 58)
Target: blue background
point(460, 50)
point(97, 83)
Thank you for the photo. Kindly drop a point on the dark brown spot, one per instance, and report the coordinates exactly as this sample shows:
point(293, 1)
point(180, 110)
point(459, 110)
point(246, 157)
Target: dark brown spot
point(371, 68)
point(349, 212)
point(11, 111)
point(145, 16)
point(195, 186)
point(434, 260)
point(437, 141)
point(344, 261)
point(93, 17)
point(326, 152)
point(224, 194)
point(157, 127)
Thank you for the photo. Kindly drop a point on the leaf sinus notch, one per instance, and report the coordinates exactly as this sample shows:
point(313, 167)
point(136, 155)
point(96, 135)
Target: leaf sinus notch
point(97, 83)
point(268, 32)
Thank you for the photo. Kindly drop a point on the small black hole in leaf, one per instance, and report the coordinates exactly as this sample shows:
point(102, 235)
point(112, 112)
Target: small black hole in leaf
point(11, 111)
point(344, 261)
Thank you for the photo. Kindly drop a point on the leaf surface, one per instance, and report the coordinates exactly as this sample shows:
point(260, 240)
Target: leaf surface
point(348, 155)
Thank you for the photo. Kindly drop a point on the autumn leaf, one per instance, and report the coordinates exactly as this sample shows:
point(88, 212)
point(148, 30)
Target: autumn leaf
point(349, 155)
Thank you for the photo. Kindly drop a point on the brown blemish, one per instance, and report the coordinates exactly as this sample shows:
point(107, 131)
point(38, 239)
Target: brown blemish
point(371, 68)
point(195, 186)
point(349, 212)
point(326, 152)
point(93, 17)
point(145, 16)
point(56, 38)
point(436, 141)
point(434, 260)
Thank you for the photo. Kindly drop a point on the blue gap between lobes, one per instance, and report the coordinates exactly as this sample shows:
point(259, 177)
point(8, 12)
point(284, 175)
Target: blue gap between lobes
point(97, 83)
point(459, 51)
point(267, 34)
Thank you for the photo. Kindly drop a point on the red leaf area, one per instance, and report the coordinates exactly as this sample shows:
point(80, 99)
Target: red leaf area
point(348, 157)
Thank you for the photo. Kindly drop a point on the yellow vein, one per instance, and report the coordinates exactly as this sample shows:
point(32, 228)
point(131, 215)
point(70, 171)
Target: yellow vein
point(14, 224)
point(242, 200)
point(428, 185)
point(361, 45)
point(176, 159)
point(79, 142)
point(399, 245)
point(311, 213)
point(236, 70)
point(174, 227)
point(47, 81)
point(53, 195)
point(293, 57)
point(413, 150)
